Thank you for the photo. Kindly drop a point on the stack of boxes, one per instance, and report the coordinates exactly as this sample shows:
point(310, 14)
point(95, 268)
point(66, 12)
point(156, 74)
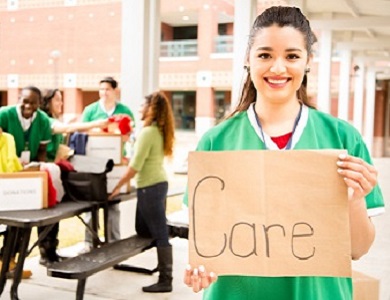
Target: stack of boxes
point(109, 146)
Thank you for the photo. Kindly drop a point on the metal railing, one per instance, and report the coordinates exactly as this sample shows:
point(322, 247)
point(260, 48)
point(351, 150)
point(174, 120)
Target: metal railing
point(223, 44)
point(181, 48)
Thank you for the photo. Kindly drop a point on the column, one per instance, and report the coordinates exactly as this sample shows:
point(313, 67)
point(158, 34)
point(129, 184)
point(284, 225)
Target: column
point(140, 50)
point(344, 84)
point(358, 98)
point(73, 102)
point(324, 69)
point(244, 15)
point(205, 103)
point(369, 113)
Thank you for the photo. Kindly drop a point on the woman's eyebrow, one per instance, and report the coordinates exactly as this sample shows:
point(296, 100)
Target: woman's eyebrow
point(270, 49)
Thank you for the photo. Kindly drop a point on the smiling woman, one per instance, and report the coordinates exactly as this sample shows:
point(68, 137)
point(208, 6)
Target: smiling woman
point(274, 113)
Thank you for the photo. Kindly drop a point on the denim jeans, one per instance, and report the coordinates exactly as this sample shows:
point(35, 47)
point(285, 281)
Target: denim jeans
point(150, 220)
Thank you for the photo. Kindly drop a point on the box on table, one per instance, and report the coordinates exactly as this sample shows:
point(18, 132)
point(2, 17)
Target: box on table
point(113, 178)
point(364, 287)
point(105, 145)
point(23, 190)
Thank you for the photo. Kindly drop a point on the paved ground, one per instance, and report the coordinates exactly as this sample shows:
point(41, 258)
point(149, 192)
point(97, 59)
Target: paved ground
point(117, 285)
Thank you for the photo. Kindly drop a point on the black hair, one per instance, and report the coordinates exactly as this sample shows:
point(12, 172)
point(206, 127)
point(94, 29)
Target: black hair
point(281, 16)
point(111, 81)
point(35, 90)
point(48, 95)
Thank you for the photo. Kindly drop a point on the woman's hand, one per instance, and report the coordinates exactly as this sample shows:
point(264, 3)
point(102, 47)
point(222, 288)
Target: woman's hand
point(114, 193)
point(359, 176)
point(198, 278)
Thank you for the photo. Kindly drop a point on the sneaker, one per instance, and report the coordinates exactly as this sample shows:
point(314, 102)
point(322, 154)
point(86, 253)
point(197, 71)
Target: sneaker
point(87, 248)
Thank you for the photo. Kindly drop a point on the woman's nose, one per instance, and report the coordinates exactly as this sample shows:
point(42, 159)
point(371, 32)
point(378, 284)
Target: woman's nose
point(278, 67)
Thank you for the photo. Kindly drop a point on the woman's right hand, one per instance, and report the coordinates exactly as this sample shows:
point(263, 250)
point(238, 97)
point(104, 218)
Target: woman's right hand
point(198, 278)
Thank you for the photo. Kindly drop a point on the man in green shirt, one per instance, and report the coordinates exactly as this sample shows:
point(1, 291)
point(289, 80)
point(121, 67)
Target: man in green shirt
point(107, 106)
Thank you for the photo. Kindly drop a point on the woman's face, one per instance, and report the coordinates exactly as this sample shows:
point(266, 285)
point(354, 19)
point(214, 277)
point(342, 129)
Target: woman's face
point(56, 104)
point(29, 103)
point(143, 110)
point(277, 61)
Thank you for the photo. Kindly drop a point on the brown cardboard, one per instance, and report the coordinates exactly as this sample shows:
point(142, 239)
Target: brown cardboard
point(364, 287)
point(269, 213)
point(23, 190)
point(105, 145)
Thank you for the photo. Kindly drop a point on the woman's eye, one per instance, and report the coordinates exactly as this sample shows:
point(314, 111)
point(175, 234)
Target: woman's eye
point(264, 55)
point(292, 56)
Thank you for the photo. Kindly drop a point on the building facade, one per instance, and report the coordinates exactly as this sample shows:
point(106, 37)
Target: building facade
point(71, 45)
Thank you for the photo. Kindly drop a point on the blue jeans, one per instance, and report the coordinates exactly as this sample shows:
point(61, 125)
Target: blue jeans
point(150, 220)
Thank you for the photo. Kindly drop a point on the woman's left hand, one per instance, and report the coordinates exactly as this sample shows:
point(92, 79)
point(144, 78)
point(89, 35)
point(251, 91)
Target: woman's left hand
point(114, 193)
point(359, 176)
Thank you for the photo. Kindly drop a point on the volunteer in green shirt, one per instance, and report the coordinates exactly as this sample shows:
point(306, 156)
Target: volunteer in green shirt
point(154, 141)
point(274, 113)
point(30, 128)
point(107, 106)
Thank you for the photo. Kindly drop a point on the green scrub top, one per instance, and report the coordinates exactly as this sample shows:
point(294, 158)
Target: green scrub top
point(95, 112)
point(39, 131)
point(315, 130)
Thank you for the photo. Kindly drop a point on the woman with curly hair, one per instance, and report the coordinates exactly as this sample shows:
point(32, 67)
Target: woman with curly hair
point(154, 141)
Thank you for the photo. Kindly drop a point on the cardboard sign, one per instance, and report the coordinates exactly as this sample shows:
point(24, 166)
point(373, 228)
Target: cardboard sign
point(269, 213)
point(23, 190)
point(105, 145)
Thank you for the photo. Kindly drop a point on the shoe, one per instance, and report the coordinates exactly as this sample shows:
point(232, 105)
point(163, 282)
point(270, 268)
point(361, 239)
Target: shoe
point(87, 248)
point(48, 251)
point(26, 274)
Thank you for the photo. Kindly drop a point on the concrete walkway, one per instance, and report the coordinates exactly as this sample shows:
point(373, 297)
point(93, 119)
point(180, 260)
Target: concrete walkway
point(118, 285)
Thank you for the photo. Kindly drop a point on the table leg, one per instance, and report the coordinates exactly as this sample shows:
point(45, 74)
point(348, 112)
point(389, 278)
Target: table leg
point(8, 249)
point(95, 226)
point(23, 247)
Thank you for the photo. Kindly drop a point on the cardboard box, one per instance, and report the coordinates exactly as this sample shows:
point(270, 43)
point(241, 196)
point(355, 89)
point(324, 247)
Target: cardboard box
point(105, 145)
point(23, 190)
point(113, 178)
point(364, 287)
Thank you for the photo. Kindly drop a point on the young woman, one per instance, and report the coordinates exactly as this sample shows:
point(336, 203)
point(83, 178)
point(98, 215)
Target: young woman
point(274, 113)
point(52, 104)
point(154, 141)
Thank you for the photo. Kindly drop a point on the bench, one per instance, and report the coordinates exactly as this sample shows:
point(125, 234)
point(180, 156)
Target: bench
point(87, 264)
point(106, 256)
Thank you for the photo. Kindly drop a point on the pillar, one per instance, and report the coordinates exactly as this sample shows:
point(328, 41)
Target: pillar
point(205, 103)
point(369, 113)
point(324, 71)
point(358, 98)
point(140, 50)
point(344, 84)
point(244, 14)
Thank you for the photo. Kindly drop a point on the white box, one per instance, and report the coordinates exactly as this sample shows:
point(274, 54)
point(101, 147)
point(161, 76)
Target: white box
point(23, 190)
point(105, 145)
point(113, 178)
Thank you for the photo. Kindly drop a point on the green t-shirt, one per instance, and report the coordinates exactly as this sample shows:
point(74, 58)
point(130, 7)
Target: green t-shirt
point(148, 158)
point(39, 131)
point(315, 130)
point(95, 112)
point(56, 140)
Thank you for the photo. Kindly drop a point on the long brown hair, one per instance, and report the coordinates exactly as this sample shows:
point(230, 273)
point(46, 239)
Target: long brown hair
point(159, 110)
point(281, 16)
